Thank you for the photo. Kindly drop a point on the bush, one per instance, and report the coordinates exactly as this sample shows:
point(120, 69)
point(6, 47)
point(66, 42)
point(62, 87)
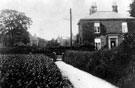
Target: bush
point(19, 44)
point(29, 71)
point(112, 65)
point(98, 63)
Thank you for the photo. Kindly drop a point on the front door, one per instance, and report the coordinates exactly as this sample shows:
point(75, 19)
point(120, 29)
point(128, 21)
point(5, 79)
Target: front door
point(113, 42)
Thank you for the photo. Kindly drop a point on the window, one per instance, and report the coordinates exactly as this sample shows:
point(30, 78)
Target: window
point(124, 27)
point(97, 27)
point(98, 44)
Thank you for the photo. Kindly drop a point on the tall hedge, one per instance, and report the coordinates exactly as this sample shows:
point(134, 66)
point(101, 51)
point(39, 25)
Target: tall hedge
point(112, 65)
point(30, 71)
point(98, 63)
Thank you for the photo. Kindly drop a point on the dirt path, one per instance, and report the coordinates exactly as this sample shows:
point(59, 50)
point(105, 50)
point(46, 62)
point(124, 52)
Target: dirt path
point(81, 79)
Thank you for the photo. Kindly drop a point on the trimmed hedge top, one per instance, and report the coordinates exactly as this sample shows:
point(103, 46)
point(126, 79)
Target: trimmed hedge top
point(29, 71)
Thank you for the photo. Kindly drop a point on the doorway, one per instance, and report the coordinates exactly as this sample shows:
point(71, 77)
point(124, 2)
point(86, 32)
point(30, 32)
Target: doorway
point(112, 41)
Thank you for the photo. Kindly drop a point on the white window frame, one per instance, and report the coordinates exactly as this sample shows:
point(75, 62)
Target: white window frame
point(124, 27)
point(97, 27)
point(97, 42)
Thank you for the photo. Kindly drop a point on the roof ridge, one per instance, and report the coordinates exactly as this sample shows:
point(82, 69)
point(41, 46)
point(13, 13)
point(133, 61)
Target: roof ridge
point(106, 11)
point(108, 15)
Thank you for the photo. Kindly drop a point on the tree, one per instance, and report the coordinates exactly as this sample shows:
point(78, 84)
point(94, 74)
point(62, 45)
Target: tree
point(42, 42)
point(132, 9)
point(14, 26)
point(52, 43)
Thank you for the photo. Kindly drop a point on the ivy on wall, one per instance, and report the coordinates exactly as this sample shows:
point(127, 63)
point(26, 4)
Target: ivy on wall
point(102, 31)
point(88, 32)
point(131, 26)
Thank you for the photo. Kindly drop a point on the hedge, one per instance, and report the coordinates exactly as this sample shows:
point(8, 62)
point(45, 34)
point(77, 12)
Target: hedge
point(116, 65)
point(30, 71)
point(101, 64)
point(43, 50)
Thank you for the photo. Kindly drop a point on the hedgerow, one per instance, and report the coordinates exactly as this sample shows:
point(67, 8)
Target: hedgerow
point(30, 71)
point(101, 63)
point(116, 65)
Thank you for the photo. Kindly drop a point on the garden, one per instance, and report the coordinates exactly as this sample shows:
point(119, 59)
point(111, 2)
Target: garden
point(30, 71)
point(116, 66)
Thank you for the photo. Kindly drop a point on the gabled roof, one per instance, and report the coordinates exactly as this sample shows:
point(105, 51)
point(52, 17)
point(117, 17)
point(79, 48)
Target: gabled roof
point(106, 15)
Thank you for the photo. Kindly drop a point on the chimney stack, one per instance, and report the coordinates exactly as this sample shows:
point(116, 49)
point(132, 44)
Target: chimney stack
point(93, 8)
point(114, 7)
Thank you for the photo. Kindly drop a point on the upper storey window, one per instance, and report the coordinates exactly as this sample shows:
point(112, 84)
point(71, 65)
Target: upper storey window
point(97, 27)
point(124, 27)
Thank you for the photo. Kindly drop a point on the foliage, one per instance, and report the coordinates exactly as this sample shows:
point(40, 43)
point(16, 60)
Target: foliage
point(14, 26)
point(76, 42)
point(128, 48)
point(29, 71)
point(131, 26)
point(102, 29)
point(88, 32)
point(42, 42)
point(116, 66)
point(52, 43)
point(132, 8)
point(98, 63)
point(19, 44)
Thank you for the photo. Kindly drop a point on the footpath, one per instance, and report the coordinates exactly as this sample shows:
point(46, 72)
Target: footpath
point(81, 79)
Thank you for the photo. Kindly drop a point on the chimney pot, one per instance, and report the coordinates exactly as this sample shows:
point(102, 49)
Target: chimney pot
point(114, 7)
point(93, 8)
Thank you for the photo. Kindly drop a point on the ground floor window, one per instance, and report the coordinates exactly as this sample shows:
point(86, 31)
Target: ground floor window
point(97, 44)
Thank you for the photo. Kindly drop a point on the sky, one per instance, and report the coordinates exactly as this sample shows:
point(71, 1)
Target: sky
point(51, 18)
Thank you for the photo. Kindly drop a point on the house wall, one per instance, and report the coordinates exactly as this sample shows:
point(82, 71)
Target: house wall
point(120, 38)
point(86, 30)
point(112, 26)
point(131, 26)
point(103, 41)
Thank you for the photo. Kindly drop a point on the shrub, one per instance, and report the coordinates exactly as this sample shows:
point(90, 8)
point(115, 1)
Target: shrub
point(19, 44)
point(112, 65)
point(98, 63)
point(29, 71)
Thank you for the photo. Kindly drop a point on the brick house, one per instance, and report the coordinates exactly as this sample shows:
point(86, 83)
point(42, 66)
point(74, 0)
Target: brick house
point(105, 28)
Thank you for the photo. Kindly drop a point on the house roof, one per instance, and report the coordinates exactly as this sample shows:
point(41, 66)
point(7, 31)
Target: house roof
point(106, 15)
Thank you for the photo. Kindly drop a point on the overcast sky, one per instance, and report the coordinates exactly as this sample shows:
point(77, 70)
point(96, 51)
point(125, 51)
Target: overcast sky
point(51, 17)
